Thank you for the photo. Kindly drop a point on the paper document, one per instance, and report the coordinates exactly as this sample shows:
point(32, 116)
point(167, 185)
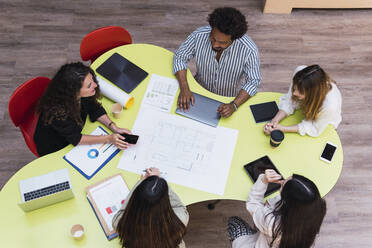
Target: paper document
point(160, 93)
point(108, 198)
point(188, 152)
point(114, 93)
point(89, 159)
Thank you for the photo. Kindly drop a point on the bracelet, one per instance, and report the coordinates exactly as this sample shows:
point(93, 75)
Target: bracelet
point(109, 125)
point(234, 104)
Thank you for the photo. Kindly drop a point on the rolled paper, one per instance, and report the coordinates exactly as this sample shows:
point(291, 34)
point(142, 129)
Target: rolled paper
point(113, 92)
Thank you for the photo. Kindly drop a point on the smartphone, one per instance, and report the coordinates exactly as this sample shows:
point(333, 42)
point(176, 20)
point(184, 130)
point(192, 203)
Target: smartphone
point(130, 138)
point(328, 152)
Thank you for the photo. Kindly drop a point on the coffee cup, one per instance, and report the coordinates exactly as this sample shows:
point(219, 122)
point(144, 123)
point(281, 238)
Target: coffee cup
point(276, 138)
point(116, 110)
point(77, 231)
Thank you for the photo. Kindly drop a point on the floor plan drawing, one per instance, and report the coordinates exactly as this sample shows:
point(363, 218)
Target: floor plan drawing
point(188, 152)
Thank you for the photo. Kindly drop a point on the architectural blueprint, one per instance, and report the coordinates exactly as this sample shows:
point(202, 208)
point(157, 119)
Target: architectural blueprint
point(189, 153)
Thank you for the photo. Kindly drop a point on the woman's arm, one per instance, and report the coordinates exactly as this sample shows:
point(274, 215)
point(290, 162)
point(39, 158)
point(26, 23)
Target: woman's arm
point(114, 138)
point(105, 120)
point(255, 205)
point(272, 125)
point(288, 129)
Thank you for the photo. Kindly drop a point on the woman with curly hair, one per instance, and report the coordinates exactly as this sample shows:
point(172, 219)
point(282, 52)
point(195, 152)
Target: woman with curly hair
point(317, 95)
point(291, 220)
point(70, 97)
point(152, 216)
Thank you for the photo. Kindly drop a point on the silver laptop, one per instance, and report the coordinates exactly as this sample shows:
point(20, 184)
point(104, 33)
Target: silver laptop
point(204, 110)
point(44, 190)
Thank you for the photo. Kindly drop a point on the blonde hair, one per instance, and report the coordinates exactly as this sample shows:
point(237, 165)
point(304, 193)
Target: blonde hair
point(314, 83)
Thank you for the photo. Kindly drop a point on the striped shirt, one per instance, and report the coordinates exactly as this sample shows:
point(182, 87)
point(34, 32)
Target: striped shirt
point(238, 67)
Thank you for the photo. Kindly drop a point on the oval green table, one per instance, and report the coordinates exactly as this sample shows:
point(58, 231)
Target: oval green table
point(49, 226)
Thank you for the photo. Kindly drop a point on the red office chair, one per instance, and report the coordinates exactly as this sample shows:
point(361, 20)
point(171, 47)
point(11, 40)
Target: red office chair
point(101, 40)
point(22, 108)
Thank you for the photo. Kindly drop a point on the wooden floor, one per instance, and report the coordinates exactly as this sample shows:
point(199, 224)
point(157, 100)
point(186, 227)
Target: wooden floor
point(36, 37)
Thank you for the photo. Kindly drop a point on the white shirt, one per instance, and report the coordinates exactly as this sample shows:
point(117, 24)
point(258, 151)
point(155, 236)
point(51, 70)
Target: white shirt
point(259, 211)
point(330, 111)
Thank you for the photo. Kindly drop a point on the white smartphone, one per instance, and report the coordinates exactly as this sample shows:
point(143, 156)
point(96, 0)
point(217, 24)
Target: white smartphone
point(328, 152)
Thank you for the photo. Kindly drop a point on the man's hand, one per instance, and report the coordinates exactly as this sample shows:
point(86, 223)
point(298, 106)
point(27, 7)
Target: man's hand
point(226, 109)
point(184, 99)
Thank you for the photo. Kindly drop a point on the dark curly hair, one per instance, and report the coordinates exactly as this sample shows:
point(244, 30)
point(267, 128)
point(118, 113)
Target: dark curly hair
point(229, 21)
point(60, 100)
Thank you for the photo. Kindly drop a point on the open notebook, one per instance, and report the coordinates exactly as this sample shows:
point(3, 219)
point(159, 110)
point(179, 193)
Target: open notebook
point(106, 198)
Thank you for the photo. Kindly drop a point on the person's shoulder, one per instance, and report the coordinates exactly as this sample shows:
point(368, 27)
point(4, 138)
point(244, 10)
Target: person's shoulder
point(59, 115)
point(333, 96)
point(202, 31)
point(247, 43)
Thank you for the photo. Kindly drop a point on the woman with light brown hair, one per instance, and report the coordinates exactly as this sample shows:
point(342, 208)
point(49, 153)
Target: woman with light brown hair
point(317, 95)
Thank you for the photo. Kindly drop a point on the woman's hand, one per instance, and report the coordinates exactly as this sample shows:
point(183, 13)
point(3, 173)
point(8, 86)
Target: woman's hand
point(271, 126)
point(119, 130)
point(271, 177)
point(268, 128)
point(151, 172)
point(122, 130)
point(118, 141)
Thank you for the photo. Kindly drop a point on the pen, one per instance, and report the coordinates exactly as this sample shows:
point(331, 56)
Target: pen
point(107, 148)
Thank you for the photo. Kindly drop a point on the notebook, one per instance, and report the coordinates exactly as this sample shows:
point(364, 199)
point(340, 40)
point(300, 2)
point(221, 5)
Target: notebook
point(122, 72)
point(204, 110)
point(89, 159)
point(264, 111)
point(106, 198)
point(45, 190)
point(257, 167)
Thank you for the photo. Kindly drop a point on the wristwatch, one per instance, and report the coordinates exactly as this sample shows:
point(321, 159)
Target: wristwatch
point(234, 104)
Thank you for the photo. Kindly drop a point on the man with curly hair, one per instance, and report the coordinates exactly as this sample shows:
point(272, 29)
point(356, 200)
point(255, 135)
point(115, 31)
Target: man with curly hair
point(226, 59)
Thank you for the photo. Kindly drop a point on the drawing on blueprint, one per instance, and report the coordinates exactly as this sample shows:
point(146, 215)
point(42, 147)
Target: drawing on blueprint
point(190, 147)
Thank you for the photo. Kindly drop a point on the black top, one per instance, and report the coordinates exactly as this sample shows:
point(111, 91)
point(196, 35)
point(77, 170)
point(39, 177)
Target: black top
point(60, 133)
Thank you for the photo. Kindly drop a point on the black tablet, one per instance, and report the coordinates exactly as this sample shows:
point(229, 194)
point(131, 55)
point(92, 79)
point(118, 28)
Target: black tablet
point(257, 167)
point(122, 72)
point(264, 111)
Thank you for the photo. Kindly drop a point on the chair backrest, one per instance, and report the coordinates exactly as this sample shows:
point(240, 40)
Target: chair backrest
point(22, 108)
point(101, 40)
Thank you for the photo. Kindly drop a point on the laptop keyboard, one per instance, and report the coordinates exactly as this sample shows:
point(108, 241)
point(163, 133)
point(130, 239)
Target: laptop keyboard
point(46, 191)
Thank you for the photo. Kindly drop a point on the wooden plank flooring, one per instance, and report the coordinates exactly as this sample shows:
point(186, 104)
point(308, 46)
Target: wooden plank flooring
point(36, 37)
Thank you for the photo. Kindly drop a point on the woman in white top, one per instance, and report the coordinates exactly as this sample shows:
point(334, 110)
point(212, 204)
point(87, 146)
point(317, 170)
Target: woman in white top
point(291, 220)
point(152, 216)
point(317, 95)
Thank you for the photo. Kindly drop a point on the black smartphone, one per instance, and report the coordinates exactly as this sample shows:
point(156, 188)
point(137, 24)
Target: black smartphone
point(328, 152)
point(130, 138)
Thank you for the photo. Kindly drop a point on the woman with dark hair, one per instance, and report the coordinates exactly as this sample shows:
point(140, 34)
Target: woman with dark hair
point(317, 95)
point(152, 216)
point(291, 220)
point(70, 97)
